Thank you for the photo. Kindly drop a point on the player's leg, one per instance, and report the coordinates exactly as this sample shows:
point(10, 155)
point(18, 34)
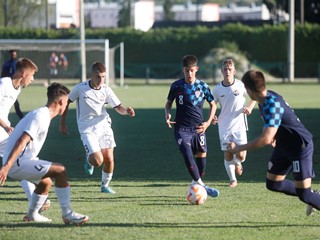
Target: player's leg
point(107, 144)
point(303, 174)
point(63, 192)
point(229, 164)
point(240, 138)
point(107, 170)
point(94, 157)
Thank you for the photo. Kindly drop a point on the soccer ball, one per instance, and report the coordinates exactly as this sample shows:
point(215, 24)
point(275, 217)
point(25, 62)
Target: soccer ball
point(196, 194)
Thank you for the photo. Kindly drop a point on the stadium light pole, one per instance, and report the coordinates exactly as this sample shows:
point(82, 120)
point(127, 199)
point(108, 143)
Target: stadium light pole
point(291, 42)
point(83, 44)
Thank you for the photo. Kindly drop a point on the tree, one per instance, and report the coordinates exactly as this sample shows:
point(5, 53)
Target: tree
point(168, 14)
point(125, 14)
point(18, 13)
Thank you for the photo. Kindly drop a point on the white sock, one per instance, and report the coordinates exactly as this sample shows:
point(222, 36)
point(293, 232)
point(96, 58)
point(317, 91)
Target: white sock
point(198, 182)
point(28, 189)
point(64, 195)
point(237, 161)
point(230, 168)
point(106, 178)
point(36, 203)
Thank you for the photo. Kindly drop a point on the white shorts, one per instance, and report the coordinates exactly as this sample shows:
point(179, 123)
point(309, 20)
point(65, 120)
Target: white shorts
point(101, 138)
point(3, 140)
point(31, 170)
point(239, 138)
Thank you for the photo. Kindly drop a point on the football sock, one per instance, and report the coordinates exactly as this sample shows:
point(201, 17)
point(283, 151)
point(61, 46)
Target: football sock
point(230, 168)
point(286, 186)
point(307, 196)
point(36, 203)
point(106, 178)
point(201, 163)
point(63, 195)
point(28, 188)
point(236, 160)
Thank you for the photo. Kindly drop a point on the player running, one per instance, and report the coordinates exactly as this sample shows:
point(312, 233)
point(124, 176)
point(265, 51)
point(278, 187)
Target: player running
point(20, 161)
point(189, 93)
point(94, 123)
point(293, 145)
point(230, 93)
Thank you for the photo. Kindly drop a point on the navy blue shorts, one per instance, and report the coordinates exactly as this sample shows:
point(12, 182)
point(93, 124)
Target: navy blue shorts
point(187, 138)
point(298, 159)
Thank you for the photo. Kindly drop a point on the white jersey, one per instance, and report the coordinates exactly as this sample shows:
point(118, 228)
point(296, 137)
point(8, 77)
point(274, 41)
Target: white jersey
point(8, 95)
point(91, 103)
point(232, 101)
point(36, 123)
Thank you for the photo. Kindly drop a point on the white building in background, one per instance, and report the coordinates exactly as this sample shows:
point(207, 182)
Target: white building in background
point(252, 12)
point(65, 13)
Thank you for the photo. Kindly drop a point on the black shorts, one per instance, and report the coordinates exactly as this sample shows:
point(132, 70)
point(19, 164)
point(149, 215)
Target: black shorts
point(298, 159)
point(187, 138)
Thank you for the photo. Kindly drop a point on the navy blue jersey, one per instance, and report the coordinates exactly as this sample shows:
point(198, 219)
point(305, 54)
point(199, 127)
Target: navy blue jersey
point(8, 68)
point(189, 101)
point(277, 113)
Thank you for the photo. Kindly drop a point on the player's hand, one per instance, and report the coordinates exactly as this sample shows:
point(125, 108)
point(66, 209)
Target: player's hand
point(3, 174)
point(64, 130)
point(215, 120)
point(203, 127)
point(246, 111)
point(130, 112)
point(232, 147)
point(8, 129)
point(273, 143)
point(168, 121)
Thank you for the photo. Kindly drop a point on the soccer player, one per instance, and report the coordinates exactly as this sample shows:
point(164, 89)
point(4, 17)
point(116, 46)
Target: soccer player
point(230, 93)
point(8, 70)
point(20, 159)
point(10, 88)
point(189, 93)
point(293, 145)
point(94, 123)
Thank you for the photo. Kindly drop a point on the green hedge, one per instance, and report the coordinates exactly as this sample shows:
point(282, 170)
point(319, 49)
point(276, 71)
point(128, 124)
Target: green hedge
point(262, 45)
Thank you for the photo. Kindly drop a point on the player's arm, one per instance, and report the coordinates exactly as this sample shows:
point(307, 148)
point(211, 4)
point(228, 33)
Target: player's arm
point(167, 110)
point(21, 143)
point(266, 138)
point(125, 110)
point(213, 108)
point(6, 127)
point(17, 109)
point(63, 126)
point(247, 110)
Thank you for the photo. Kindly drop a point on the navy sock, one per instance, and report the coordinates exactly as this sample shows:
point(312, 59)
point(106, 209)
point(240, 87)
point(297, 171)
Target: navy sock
point(201, 163)
point(285, 186)
point(309, 197)
point(191, 166)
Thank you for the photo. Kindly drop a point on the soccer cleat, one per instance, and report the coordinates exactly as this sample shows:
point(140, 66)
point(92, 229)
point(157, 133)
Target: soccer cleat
point(36, 218)
point(233, 184)
point(46, 205)
point(310, 209)
point(75, 218)
point(88, 168)
point(239, 168)
point(107, 190)
point(211, 191)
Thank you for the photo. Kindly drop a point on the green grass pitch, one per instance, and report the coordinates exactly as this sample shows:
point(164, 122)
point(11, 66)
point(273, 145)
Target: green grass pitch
point(151, 180)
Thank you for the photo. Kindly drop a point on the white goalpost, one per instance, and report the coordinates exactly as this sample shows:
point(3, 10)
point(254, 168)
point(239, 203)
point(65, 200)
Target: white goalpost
point(40, 51)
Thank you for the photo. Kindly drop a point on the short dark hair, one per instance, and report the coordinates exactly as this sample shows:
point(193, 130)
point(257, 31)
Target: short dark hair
point(25, 63)
point(254, 80)
point(12, 50)
point(98, 66)
point(189, 61)
point(56, 90)
point(227, 61)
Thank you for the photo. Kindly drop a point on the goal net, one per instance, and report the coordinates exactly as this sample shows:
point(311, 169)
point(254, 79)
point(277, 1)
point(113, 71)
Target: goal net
point(61, 58)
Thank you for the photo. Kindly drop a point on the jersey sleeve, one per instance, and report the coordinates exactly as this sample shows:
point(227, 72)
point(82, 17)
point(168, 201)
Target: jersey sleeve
point(74, 94)
point(112, 98)
point(273, 112)
point(171, 95)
